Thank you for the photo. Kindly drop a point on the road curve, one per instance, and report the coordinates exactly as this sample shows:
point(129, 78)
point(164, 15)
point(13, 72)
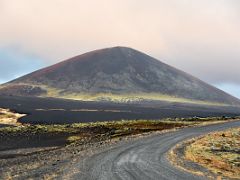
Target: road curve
point(142, 159)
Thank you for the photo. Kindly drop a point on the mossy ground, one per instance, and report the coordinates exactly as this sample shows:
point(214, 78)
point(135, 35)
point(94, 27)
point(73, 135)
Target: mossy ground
point(119, 98)
point(220, 152)
point(107, 129)
point(79, 131)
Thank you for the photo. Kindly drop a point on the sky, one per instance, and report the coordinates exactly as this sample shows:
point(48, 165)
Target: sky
point(199, 37)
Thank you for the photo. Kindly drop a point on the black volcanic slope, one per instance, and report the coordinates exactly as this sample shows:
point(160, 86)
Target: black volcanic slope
point(117, 70)
point(62, 111)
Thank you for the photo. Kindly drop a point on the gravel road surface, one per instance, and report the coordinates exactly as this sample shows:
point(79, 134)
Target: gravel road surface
point(141, 159)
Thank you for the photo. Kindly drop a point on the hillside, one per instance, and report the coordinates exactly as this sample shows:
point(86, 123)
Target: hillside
point(117, 71)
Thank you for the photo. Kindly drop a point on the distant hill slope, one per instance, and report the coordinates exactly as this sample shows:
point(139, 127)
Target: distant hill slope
point(118, 71)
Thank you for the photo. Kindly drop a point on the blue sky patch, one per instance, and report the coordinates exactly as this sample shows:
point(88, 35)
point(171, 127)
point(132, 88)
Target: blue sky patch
point(15, 63)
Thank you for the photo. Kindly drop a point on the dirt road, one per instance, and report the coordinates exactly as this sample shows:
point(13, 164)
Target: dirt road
point(140, 159)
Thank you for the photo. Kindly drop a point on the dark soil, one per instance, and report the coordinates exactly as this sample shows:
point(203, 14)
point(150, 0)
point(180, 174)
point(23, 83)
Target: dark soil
point(143, 110)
